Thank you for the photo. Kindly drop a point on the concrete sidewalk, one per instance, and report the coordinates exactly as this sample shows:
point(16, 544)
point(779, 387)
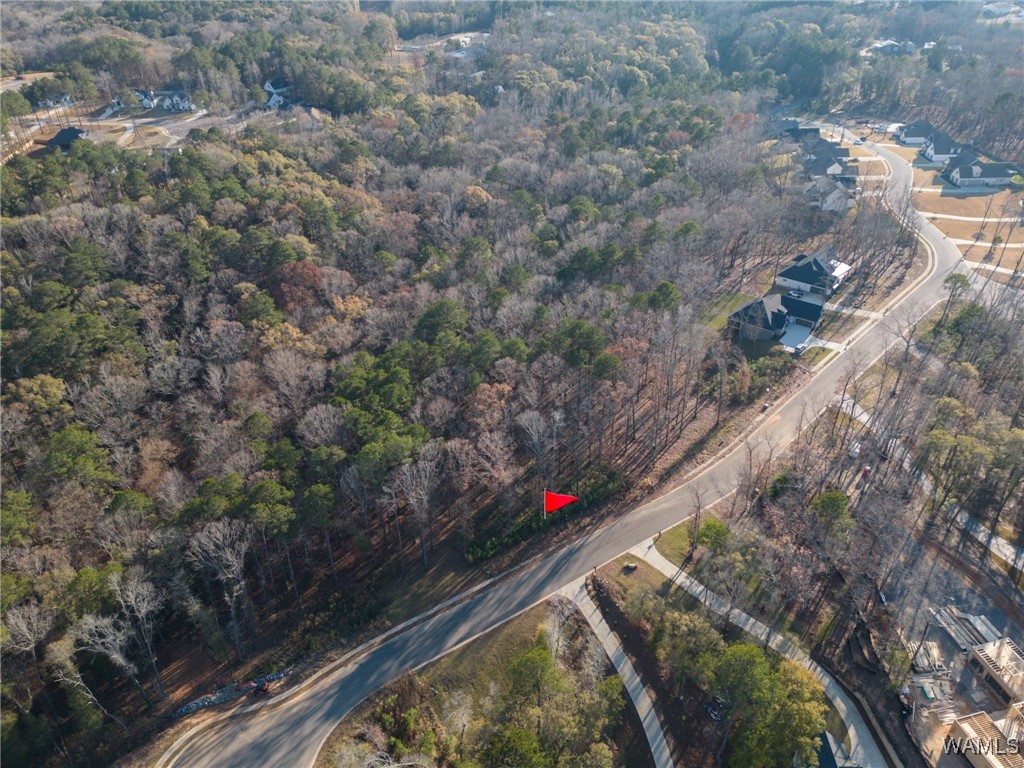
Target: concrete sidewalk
point(931, 215)
point(577, 592)
point(863, 749)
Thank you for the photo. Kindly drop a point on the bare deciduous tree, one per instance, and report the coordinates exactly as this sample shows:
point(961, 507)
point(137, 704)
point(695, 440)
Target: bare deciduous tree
point(221, 547)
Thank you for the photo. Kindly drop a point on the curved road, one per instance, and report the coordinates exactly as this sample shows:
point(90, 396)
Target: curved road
point(291, 733)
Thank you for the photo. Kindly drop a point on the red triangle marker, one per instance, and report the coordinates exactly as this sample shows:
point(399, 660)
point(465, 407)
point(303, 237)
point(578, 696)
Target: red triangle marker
point(555, 501)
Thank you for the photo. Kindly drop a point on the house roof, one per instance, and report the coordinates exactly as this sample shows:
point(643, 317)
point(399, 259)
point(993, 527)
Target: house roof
point(826, 147)
point(778, 126)
point(808, 269)
point(766, 312)
point(823, 165)
point(66, 136)
point(921, 128)
point(943, 143)
point(966, 161)
point(810, 311)
point(798, 133)
point(278, 84)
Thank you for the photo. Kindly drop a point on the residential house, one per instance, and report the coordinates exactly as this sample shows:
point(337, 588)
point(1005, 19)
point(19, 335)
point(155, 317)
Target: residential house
point(65, 138)
point(178, 102)
point(276, 86)
point(940, 147)
point(828, 194)
point(825, 166)
point(893, 48)
point(820, 147)
point(59, 101)
point(761, 319)
point(805, 311)
point(773, 316)
point(799, 133)
point(147, 99)
point(968, 170)
point(915, 133)
point(813, 274)
point(778, 127)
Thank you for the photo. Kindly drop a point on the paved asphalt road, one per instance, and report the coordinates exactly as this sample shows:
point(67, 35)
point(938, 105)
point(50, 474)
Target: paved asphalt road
point(289, 736)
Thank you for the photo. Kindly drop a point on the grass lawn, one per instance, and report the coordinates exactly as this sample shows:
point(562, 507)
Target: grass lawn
point(838, 326)
point(998, 277)
point(674, 544)
point(975, 230)
point(815, 355)
point(1003, 203)
point(929, 177)
point(717, 315)
point(1008, 258)
point(488, 658)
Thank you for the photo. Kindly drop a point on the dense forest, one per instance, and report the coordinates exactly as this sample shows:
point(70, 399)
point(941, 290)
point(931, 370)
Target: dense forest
point(251, 378)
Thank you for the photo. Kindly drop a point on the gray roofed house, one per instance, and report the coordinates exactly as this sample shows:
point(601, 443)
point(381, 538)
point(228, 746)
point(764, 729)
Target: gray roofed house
point(915, 133)
point(64, 138)
point(825, 166)
point(806, 311)
point(940, 147)
point(813, 274)
point(825, 148)
point(761, 319)
point(968, 170)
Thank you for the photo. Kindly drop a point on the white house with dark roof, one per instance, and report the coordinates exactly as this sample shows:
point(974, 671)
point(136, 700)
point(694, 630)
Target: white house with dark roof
point(829, 195)
point(178, 102)
point(813, 274)
point(968, 170)
point(940, 147)
point(915, 133)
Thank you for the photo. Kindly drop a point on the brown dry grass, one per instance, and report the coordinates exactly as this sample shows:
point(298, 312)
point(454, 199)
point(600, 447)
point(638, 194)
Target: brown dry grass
point(974, 230)
point(1002, 279)
point(1008, 258)
point(995, 204)
point(929, 177)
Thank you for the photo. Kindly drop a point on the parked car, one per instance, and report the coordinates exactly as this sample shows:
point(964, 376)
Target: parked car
point(797, 294)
